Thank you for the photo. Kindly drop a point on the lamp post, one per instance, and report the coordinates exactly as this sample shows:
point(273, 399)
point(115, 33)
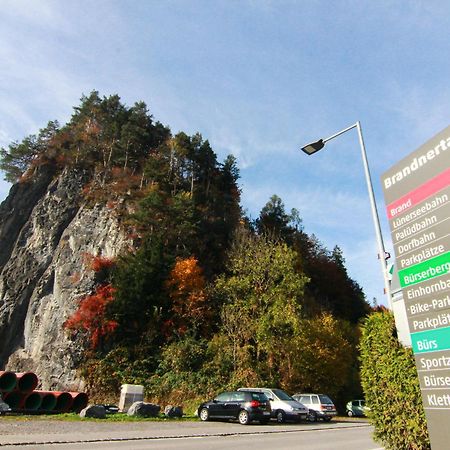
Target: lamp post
point(314, 147)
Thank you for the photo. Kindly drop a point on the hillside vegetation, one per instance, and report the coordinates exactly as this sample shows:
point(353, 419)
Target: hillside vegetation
point(205, 298)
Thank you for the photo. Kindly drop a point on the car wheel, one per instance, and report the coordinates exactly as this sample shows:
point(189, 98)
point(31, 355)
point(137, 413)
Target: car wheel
point(326, 419)
point(243, 417)
point(312, 416)
point(204, 414)
point(349, 413)
point(281, 416)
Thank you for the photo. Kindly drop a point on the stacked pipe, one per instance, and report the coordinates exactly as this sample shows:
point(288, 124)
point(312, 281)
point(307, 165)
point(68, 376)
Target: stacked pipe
point(18, 390)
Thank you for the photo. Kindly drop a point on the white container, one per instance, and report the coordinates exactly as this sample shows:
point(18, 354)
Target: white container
point(130, 393)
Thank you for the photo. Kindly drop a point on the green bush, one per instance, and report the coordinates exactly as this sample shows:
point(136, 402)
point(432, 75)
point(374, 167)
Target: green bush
point(391, 386)
point(123, 365)
point(183, 376)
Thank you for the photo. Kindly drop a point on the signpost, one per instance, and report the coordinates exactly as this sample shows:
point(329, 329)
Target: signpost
point(417, 195)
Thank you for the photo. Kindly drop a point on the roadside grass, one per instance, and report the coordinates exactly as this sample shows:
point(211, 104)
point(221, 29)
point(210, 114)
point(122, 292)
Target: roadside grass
point(74, 417)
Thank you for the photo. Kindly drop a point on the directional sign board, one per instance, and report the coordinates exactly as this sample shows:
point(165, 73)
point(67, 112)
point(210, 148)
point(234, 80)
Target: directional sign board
point(417, 195)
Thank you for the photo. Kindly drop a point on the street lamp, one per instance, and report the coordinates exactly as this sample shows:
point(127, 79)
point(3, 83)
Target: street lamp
point(314, 147)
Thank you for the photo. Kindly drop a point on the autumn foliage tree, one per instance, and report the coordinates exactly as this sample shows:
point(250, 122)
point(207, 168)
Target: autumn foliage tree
point(319, 357)
point(261, 304)
point(91, 316)
point(186, 288)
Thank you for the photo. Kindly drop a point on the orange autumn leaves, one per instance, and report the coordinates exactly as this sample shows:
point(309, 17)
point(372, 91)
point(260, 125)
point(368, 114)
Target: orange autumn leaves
point(186, 290)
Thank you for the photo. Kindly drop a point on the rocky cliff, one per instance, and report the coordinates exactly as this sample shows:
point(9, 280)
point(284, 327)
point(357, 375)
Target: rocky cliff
point(46, 231)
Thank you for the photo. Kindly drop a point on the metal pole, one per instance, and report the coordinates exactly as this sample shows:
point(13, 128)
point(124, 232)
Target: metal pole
point(373, 206)
point(339, 133)
point(376, 219)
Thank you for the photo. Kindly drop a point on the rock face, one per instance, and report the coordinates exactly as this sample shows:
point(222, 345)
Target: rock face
point(46, 231)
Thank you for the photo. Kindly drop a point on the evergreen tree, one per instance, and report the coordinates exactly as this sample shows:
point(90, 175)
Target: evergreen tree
point(140, 304)
point(274, 221)
point(32, 151)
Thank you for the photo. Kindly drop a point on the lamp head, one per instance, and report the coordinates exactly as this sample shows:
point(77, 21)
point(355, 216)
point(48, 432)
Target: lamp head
point(314, 147)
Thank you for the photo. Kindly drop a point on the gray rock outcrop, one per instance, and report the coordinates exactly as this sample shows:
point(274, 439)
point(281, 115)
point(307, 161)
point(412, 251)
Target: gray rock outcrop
point(46, 231)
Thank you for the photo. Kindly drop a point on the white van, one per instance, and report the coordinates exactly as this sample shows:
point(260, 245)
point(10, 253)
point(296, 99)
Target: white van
point(284, 407)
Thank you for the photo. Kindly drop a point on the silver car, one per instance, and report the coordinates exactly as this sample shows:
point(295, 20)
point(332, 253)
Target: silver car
point(284, 407)
point(320, 406)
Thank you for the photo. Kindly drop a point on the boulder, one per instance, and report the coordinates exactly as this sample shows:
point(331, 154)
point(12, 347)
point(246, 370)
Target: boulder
point(143, 409)
point(173, 411)
point(94, 411)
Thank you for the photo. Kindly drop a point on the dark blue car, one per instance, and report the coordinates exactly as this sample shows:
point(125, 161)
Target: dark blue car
point(245, 407)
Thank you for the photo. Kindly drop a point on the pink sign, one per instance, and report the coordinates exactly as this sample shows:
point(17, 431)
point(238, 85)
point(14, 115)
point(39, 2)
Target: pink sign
point(419, 194)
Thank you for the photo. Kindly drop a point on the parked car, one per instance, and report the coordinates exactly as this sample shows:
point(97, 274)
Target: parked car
point(283, 406)
point(357, 408)
point(320, 406)
point(237, 405)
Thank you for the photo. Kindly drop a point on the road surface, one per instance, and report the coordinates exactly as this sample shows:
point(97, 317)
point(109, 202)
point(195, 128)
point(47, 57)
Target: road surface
point(89, 435)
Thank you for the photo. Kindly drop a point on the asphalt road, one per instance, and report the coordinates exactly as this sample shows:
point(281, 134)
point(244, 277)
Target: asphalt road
point(348, 435)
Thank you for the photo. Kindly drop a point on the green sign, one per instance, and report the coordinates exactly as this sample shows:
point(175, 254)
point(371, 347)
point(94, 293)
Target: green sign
point(432, 268)
point(431, 340)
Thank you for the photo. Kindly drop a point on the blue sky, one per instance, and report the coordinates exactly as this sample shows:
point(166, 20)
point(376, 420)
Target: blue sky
point(257, 79)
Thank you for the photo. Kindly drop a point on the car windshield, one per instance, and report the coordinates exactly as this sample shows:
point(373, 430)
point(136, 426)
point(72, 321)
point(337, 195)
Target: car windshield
point(325, 399)
point(282, 395)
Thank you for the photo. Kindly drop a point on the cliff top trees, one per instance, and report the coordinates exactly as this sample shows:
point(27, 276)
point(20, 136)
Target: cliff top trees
point(102, 131)
point(21, 156)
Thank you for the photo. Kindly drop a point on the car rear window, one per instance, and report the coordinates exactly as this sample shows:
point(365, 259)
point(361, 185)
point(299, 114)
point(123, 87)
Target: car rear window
point(259, 396)
point(325, 399)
